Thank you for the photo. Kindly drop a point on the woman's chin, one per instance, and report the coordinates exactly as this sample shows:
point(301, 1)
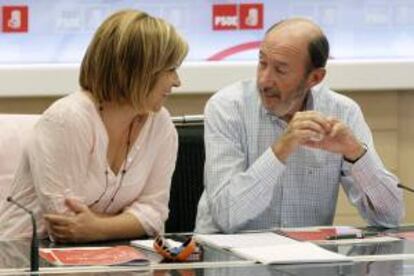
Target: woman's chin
point(156, 108)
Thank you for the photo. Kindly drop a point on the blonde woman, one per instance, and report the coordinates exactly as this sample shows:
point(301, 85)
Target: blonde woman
point(99, 163)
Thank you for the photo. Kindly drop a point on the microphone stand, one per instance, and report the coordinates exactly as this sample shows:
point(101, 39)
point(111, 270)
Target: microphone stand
point(399, 185)
point(34, 245)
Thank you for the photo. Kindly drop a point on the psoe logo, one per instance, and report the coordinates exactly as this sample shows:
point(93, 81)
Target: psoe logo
point(251, 16)
point(225, 17)
point(15, 19)
point(234, 16)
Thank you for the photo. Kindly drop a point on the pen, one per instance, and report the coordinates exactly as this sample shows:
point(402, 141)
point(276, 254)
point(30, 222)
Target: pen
point(352, 236)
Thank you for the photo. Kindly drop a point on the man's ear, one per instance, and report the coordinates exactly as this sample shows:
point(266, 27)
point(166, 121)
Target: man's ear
point(316, 76)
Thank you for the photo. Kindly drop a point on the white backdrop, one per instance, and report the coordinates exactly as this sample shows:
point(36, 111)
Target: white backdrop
point(59, 30)
point(372, 45)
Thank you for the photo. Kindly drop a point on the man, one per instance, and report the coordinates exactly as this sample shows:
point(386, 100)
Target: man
point(278, 148)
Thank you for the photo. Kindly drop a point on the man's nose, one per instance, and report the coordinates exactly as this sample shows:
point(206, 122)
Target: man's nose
point(266, 79)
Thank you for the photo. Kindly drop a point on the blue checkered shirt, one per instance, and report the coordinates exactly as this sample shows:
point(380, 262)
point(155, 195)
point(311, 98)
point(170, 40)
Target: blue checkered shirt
point(247, 187)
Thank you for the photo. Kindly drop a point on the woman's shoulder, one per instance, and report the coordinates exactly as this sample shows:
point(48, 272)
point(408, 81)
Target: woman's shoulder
point(75, 108)
point(161, 124)
point(162, 117)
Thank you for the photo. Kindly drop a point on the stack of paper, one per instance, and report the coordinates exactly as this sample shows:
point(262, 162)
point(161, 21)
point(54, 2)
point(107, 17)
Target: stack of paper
point(301, 252)
point(228, 241)
point(271, 248)
point(380, 239)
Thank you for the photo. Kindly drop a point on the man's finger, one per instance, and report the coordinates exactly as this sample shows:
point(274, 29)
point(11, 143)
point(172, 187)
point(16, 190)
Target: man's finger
point(335, 130)
point(311, 125)
point(314, 117)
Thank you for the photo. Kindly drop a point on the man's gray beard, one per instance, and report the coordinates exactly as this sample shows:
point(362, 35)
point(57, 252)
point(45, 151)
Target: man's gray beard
point(284, 109)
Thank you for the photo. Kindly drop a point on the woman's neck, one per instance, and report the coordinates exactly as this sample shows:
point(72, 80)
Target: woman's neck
point(123, 125)
point(117, 114)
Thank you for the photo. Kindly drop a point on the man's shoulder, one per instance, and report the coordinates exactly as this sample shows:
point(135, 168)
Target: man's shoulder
point(331, 99)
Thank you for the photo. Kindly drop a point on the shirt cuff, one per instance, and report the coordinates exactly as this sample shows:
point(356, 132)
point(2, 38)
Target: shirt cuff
point(362, 170)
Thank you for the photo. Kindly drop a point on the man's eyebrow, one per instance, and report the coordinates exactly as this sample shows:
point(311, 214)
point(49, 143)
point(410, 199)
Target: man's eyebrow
point(273, 62)
point(280, 63)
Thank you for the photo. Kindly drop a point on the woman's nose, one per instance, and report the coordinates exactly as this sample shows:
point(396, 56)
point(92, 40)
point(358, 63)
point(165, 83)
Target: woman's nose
point(176, 79)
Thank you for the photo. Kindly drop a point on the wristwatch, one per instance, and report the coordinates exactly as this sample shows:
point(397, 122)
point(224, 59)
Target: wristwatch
point(365, 147)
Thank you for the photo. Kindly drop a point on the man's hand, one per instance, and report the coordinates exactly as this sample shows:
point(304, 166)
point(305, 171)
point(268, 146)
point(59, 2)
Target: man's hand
point(340, 139)
point(83, 226)
point(312, 129)
point(304, 128)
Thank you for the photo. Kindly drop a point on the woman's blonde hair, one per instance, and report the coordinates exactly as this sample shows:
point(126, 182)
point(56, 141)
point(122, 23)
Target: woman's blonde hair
point(127, 53)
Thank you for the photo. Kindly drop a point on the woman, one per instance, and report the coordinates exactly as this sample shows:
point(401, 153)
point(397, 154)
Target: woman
point(100, 161)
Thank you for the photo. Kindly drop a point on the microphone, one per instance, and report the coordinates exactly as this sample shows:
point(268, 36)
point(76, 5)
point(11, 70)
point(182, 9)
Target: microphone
point(401, 186)
point(34, 246)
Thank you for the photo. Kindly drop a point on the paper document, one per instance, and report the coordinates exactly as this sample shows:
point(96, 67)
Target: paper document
point(317, 233)
point(336, 229)
point(76, 256)
point(228, 241)
point(301, 252)
point(403, 235)
point(380, 239)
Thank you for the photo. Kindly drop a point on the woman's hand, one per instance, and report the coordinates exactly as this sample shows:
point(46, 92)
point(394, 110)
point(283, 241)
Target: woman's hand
point(84, 226)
